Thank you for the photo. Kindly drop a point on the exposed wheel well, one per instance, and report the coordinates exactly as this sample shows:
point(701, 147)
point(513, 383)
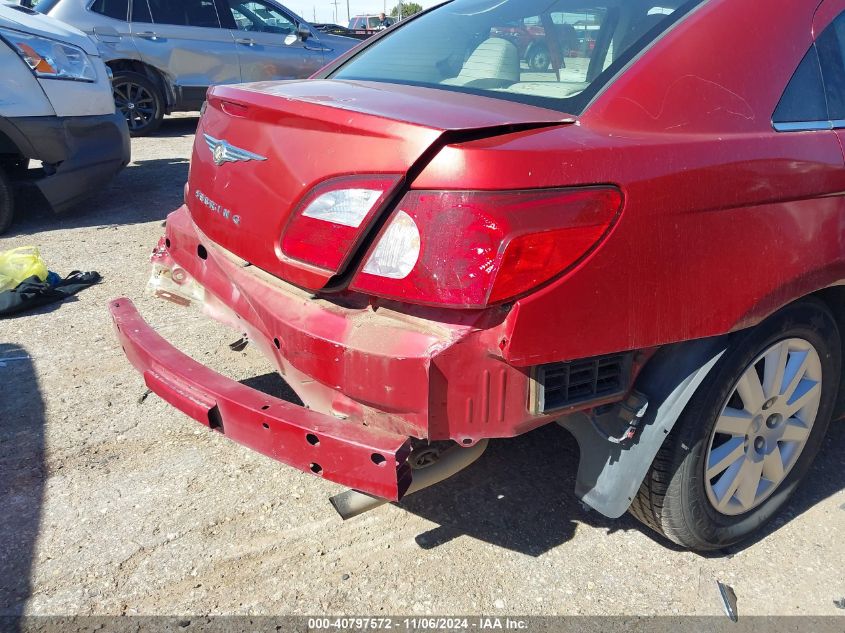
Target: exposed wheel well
point(7, 146)
point(152, 73)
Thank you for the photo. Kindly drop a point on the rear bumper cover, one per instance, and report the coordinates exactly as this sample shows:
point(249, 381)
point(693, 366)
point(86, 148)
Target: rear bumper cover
point(422, 372)
point(371, 375)
point(366, 459)
point(81, 153)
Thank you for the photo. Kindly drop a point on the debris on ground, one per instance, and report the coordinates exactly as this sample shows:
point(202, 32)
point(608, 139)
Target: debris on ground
point(728, 596)
point(34, 292)
point(839, 604)
point(239, 345)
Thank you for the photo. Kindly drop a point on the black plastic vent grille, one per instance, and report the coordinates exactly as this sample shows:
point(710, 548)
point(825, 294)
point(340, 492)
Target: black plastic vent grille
point(565, 384)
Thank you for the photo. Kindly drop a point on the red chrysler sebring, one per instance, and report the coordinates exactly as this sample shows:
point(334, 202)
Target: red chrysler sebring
point(438, 245)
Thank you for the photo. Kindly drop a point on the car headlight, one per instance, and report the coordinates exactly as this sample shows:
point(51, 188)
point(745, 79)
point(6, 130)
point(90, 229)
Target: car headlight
point(50, 59)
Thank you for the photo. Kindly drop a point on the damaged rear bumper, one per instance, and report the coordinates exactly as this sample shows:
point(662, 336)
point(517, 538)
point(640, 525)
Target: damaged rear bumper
point(366, 459)
point(427, 373)
point(374, 376)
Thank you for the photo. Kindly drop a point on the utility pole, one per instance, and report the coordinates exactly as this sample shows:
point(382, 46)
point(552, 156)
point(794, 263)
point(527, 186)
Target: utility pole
point(348, 12)
point(335, 3)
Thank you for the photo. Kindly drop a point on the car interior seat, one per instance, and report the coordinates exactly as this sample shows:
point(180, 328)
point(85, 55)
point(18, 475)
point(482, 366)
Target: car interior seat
point(493, 64)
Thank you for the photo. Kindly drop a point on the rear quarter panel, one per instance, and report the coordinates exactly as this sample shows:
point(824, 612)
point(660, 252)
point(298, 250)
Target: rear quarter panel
point(724, 219)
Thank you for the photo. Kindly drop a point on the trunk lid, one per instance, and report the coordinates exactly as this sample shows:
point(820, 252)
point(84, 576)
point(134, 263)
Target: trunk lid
point(284, 138)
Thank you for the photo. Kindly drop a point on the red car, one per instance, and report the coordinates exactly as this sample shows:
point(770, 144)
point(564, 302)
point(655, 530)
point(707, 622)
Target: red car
point(436, 249)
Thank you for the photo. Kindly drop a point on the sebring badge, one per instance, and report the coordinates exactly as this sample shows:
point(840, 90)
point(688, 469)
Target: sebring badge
point(217, 208)
point(224, 152)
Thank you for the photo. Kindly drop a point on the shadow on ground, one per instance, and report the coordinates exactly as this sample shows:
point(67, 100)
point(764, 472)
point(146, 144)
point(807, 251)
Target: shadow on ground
point(273, 385)
point(22, 475)
point(519, 496)
point(177, 126)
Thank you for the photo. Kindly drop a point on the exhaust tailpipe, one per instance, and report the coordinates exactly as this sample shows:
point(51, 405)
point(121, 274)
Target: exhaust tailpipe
point(351, 503)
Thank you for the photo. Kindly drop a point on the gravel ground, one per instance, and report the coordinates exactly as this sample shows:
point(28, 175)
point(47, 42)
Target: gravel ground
point(113, 503)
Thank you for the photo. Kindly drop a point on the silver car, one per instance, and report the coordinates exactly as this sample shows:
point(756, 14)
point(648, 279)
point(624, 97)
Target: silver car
point(165, 53)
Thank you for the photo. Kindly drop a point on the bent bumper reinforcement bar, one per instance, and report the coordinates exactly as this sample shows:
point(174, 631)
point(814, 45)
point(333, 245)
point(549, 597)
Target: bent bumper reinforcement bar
point(362, 458)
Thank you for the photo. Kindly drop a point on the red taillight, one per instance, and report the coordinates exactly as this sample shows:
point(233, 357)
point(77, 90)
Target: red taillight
point(476, 248)
point(332, 216)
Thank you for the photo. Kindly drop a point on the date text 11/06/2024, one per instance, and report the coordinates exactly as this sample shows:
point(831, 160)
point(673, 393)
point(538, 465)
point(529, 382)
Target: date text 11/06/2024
point(411, 624)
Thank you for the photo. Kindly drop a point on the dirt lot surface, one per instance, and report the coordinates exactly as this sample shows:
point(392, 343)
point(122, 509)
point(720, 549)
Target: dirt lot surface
point(113, 503)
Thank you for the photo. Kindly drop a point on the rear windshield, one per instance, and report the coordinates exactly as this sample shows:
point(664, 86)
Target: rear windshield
point(552, 53)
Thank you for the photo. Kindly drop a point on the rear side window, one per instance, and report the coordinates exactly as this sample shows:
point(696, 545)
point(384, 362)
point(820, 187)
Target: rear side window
point(260, 17)
point(141, 11)
point(184, 12)
point(551, 53)
point(831, 47)
point(804, 98)
point(816, 92)
point(117, 9)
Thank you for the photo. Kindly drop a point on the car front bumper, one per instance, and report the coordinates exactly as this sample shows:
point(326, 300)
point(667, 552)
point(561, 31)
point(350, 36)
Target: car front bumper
point(80, 154)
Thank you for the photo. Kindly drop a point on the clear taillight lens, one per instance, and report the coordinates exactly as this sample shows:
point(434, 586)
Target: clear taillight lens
point(397, 251)
point(470, 249)
point(348, 207)
point(331, 218)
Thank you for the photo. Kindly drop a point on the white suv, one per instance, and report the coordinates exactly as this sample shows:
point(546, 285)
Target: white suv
point(55, 106)
point(166, 53)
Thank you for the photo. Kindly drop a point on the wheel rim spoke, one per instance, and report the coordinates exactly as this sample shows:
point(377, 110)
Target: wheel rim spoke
point(733, 422)
point(806, 392)
point(795, 370)
point(775, 366)
point(763, 426)
point(773, 466)
point(795, 431)
point(725, 456)
point(750, 390)
point(727, 484)
point(749, 482)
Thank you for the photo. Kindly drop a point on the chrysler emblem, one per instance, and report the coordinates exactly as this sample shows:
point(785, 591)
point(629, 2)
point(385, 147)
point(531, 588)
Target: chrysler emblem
point(224, 152)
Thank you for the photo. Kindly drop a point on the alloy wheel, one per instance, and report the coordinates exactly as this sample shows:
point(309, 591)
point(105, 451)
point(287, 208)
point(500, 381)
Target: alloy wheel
point(136, 103)
point(763, 426)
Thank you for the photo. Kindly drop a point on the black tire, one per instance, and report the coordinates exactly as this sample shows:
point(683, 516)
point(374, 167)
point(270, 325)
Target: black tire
point(140, 100)
point(673, 498)
point(539, 60)
point(7, 203)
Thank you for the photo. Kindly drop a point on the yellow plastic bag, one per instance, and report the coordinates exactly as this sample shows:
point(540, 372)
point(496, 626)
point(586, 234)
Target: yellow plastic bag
point(19, 264)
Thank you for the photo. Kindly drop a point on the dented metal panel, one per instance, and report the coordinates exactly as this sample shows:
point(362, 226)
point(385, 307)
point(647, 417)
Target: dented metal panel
point(366, 459)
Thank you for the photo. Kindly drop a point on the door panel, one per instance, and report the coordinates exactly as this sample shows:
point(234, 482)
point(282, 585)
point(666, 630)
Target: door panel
point(268, 45)
point(184, 39)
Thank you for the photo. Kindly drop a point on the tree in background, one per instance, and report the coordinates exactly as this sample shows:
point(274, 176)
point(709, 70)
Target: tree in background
point(408, 8)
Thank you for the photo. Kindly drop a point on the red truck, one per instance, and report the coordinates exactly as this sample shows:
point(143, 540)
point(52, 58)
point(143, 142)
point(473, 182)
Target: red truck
point(532, 42)
point(437, 249)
